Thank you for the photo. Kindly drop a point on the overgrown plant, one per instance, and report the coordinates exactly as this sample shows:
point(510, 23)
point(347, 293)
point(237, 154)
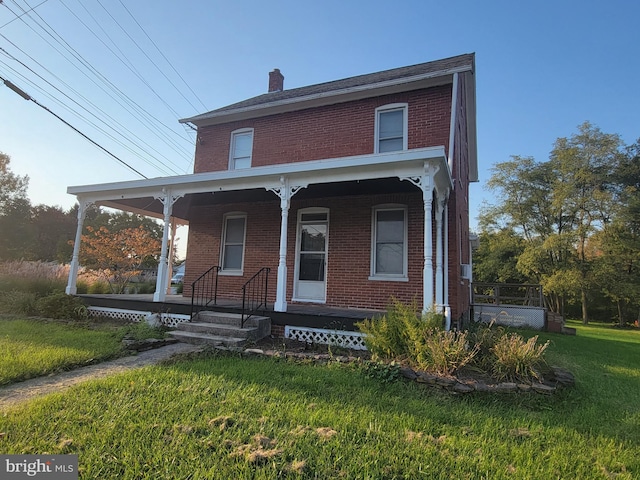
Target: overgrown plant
point(516, 359)
point(445, 352)
point(391, 336)
point(61, 306)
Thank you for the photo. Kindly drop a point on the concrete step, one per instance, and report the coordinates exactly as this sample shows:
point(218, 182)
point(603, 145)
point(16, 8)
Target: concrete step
point(223, 330)
point(229, 318)
point(206, 339)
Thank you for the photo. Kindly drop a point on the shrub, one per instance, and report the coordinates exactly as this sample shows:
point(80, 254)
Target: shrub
point(485, 336)
point(444, 352)
point(18, 302)
point(99, 287)
point(515, 359)
point(142, 331)
point(61, 306)
point(145, 287)
point(391, 335)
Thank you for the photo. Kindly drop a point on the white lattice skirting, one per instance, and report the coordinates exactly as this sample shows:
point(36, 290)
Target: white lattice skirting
point(168, 319)
point(340, 338)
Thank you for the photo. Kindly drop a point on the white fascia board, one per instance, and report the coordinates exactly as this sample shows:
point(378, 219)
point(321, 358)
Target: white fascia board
point(360, 167)
point(204, 118)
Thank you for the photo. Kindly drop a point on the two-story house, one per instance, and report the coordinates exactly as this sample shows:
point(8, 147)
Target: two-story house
point(352, 191)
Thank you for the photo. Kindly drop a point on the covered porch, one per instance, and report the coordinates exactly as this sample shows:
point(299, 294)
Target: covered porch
point(172, 199)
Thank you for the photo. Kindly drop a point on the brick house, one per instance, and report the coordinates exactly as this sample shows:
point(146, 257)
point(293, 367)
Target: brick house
point(351, 191)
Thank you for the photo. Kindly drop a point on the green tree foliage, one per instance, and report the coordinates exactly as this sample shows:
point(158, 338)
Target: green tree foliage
point(15, 231)
point(577, 216)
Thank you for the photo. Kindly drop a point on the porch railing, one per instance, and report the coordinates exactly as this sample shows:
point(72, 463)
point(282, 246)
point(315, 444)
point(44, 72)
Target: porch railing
point(254, 294)
point(204, 290)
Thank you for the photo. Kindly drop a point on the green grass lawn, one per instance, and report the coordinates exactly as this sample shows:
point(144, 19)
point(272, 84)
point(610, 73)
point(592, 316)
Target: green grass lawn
point(226, 417)
point(30, 348)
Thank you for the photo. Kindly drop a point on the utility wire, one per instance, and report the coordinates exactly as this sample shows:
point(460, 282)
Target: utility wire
point(137, 109)
point(163, 56)
point(99, 119)
point(26, 96)
point(18, 17)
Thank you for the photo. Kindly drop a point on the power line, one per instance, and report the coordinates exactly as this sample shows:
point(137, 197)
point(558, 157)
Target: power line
point(26, 96)
point(136, 108)
point(163, 56)
point(18, 17)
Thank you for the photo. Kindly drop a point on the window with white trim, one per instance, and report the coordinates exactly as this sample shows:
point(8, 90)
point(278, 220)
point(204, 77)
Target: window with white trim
point(233, 241)
point(241, 149)
point(389, 258)
point(391, 128)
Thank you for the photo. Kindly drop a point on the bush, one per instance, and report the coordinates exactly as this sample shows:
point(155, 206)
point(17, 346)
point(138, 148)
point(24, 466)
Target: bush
point(142, 331)
point(18, 302)
point(99, 288)
point(391, 335)
point(516, 359)
point(444, 352)
point(422, 342)
point(61, 306)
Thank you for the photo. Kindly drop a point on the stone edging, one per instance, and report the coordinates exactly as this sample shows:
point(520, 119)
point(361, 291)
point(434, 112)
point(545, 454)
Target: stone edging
point(557, 379)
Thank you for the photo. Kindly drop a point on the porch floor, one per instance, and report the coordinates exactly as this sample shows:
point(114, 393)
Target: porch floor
point(297, 314)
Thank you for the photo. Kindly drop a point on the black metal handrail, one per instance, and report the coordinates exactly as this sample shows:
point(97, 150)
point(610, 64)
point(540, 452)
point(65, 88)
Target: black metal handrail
point(204, 290)
point(254, 294)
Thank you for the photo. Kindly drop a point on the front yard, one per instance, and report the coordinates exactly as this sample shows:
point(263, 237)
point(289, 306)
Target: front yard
point(226, 416)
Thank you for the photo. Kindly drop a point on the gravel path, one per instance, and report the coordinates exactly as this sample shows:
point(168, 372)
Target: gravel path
point(16, 393)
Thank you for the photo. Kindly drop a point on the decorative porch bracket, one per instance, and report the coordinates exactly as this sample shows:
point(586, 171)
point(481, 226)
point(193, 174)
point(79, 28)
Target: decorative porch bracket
point(72, 281)
point(285, 192)
point(168, 198)
point(426, 183)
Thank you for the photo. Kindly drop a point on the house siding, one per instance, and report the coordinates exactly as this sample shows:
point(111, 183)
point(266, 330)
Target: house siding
point(330, 131)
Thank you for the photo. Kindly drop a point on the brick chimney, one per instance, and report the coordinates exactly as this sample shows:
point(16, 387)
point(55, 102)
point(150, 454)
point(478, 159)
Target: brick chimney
point(276, 81)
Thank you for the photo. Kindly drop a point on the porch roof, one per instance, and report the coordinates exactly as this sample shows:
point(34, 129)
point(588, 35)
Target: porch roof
point(143, 196)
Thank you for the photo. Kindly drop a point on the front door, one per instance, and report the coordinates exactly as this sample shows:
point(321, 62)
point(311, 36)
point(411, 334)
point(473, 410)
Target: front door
point(311, 261)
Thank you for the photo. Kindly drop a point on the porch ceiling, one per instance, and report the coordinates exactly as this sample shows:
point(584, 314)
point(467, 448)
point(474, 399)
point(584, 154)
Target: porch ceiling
point(342, 176)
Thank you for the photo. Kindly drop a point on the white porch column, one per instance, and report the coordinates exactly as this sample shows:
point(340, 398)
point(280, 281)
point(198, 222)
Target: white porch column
point(167, 199)
point(172, 249)
point(439, 277)
point(285, 192)
point(447, 308)
point(75, 259)
point(426, 183)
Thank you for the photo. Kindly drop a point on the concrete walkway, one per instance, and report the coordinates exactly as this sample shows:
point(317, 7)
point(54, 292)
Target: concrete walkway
point(16, 393)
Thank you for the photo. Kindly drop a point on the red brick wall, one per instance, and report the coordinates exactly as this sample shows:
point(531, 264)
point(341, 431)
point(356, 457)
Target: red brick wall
point(459, 297)
point(331, 131)
point(349, 258)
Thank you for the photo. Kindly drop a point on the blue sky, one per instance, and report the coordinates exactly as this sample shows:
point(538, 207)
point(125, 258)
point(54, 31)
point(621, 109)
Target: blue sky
point(543, 68)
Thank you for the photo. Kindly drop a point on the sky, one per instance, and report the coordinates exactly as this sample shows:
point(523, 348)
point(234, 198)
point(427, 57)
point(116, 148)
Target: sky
point(123, 73)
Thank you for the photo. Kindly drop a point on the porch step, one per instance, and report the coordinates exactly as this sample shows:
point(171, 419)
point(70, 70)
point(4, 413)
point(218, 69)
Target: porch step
point(206, 339)
point(217, 328)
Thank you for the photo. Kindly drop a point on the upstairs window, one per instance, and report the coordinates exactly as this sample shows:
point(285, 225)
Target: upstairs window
point(241, 149)
point(391, 128)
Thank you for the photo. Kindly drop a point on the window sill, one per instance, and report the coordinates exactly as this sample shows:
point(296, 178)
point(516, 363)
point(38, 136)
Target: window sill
point(380, 278)
point(231, 273)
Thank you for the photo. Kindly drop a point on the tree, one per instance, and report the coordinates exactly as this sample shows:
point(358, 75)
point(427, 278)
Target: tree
point(52, 229)
point(15, 213)
point(586, 162)
point(559, 207)
point(118, 256)
point(12, 187)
